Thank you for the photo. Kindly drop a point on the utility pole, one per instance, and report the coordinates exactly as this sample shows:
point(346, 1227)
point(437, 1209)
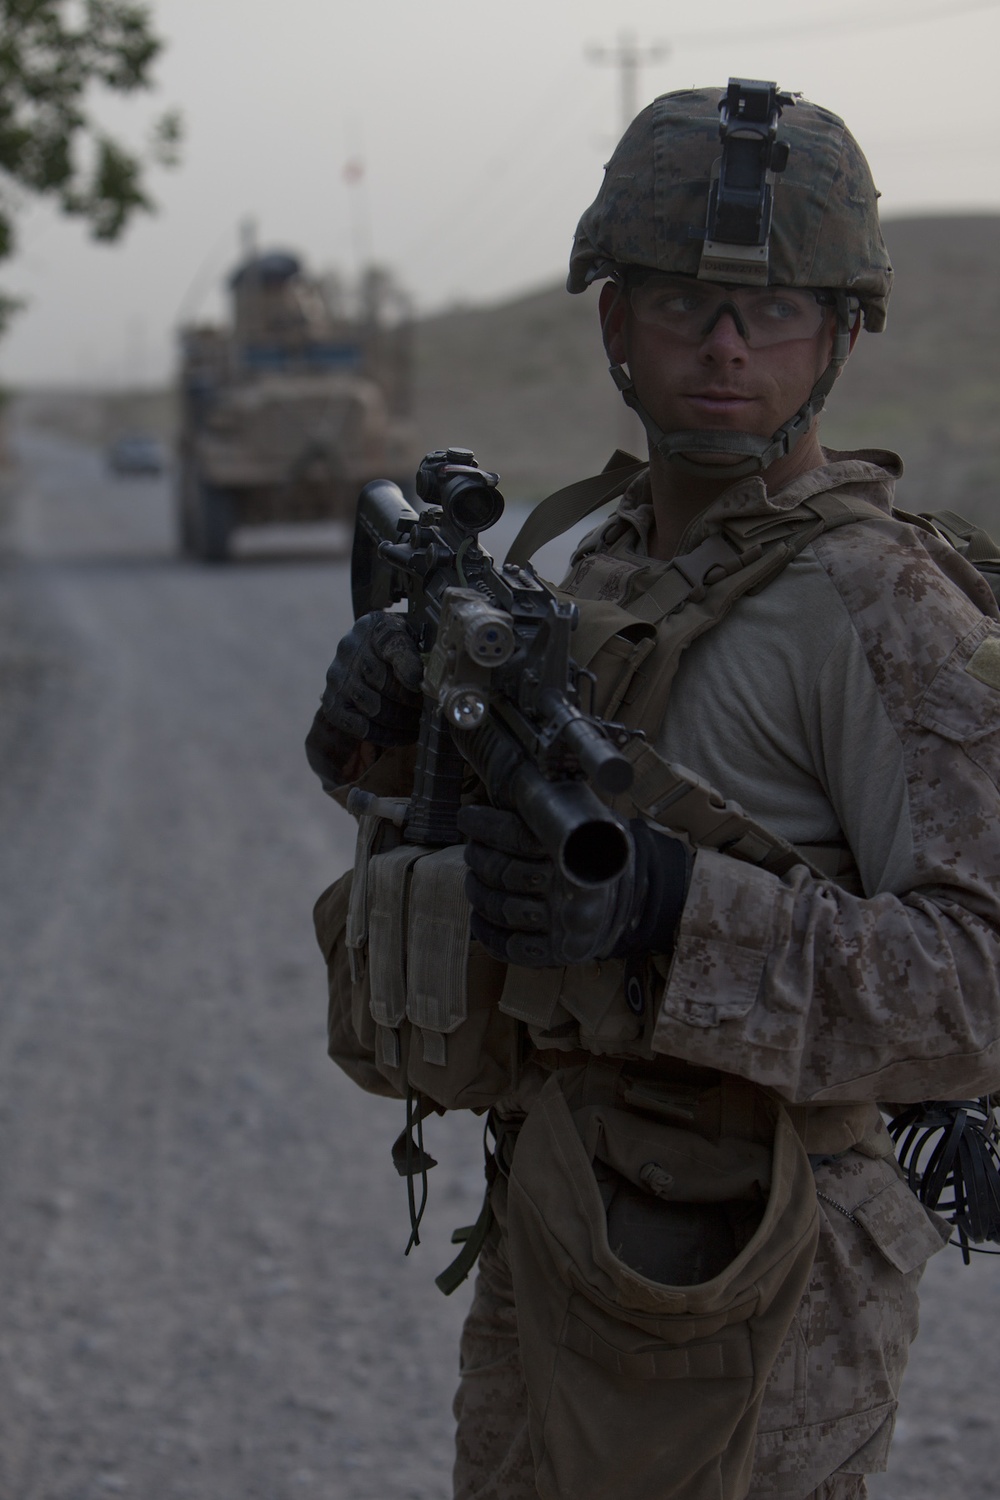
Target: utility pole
point(248, 238)
point(628, 57)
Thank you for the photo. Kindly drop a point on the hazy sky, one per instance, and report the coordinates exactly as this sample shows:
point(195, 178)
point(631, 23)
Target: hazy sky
point(482, 128)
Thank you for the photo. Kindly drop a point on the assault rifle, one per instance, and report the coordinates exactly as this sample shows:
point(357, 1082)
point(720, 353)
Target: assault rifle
point(501, 690)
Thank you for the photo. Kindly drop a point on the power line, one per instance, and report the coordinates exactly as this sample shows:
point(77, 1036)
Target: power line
point(856, 21)
point(547, 129)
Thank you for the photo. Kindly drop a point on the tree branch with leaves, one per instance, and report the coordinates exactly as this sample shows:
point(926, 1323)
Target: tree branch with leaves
point(56, 56)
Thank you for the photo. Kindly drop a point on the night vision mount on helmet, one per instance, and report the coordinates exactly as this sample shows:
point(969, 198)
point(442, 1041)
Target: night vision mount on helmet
point(787, 200)
point(741, 195)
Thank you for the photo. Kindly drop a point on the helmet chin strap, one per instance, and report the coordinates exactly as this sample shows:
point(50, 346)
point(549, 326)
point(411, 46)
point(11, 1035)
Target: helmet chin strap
point(757, 453)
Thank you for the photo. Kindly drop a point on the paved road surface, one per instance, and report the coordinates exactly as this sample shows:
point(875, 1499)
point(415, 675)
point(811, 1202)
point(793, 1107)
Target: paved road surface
point(200, 1233)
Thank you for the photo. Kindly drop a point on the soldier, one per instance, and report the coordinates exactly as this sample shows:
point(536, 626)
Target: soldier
point(700, 1278)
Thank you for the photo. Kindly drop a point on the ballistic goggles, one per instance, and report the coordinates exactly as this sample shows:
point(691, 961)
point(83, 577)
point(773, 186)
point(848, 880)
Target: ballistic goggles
point(688, 309)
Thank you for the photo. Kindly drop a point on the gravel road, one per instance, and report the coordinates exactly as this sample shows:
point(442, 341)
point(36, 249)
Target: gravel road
point(200, 1230)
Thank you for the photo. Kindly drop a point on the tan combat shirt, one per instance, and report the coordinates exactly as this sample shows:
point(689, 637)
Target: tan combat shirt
point(856, 699)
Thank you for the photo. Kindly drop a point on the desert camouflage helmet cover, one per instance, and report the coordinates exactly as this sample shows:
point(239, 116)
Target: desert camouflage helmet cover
point(652, 205)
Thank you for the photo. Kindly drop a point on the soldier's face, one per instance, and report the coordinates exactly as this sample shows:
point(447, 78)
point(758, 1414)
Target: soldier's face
point(717, 381)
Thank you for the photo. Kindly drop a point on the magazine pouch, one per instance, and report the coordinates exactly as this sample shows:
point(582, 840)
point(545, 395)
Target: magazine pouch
point(423, 997)
point(347, 1049)
point(462, 1051)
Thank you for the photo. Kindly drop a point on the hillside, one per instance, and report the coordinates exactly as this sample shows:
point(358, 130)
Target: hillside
point(526, 383)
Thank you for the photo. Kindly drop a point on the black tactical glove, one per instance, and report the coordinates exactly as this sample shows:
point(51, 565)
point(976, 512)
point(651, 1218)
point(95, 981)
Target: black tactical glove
point(372, 693)
point(526, 912)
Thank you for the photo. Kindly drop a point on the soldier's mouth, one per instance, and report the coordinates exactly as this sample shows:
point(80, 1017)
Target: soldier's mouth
point(719, 402)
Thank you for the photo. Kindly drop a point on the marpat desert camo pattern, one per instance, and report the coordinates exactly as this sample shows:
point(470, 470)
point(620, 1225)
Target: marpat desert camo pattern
point(821, 995)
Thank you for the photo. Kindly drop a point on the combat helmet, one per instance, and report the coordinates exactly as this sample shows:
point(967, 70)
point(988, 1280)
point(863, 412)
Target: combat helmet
point(742, 186)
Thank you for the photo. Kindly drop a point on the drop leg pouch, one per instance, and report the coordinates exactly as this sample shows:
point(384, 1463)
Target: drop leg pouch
point(638, 1386)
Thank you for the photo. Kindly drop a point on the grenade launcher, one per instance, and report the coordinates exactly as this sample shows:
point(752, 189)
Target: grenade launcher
point(501, 690)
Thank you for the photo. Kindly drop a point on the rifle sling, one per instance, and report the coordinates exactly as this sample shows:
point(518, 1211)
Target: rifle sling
point(684, 803)
point(561, 510)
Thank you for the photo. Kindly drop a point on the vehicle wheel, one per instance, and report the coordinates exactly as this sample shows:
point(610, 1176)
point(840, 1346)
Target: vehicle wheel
point(187, 518)
point(216, 520)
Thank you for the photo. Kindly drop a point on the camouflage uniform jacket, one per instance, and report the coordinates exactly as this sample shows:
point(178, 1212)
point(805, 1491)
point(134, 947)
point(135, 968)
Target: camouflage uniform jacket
point(854, 701)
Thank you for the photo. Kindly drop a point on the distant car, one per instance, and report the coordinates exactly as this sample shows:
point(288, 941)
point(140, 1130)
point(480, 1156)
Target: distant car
point(137, 453)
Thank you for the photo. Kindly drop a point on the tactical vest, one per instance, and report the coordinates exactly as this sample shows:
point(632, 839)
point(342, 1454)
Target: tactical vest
point(444, 1019)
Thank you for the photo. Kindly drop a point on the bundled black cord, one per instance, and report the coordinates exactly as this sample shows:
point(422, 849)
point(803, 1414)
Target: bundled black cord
point(950, 1152)
point(411, 1160)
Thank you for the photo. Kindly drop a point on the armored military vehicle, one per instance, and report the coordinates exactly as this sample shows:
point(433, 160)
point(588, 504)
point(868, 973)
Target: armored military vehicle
point(287, 412)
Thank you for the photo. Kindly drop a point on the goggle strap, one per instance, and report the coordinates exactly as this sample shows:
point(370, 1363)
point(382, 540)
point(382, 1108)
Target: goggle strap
point(622, 380)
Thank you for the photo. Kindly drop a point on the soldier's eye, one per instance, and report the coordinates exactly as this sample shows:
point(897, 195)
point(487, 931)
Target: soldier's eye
point(667, 302)
point(780, 309)
point(682, 304)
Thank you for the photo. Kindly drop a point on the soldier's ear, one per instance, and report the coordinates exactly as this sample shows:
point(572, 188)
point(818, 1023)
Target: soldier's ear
point(613, 310)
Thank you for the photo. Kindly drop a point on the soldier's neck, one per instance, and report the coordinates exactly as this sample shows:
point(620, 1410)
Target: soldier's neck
point(679, 498)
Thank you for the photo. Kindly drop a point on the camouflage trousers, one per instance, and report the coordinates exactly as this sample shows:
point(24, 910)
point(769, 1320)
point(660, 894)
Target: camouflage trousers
point(830, 1402)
